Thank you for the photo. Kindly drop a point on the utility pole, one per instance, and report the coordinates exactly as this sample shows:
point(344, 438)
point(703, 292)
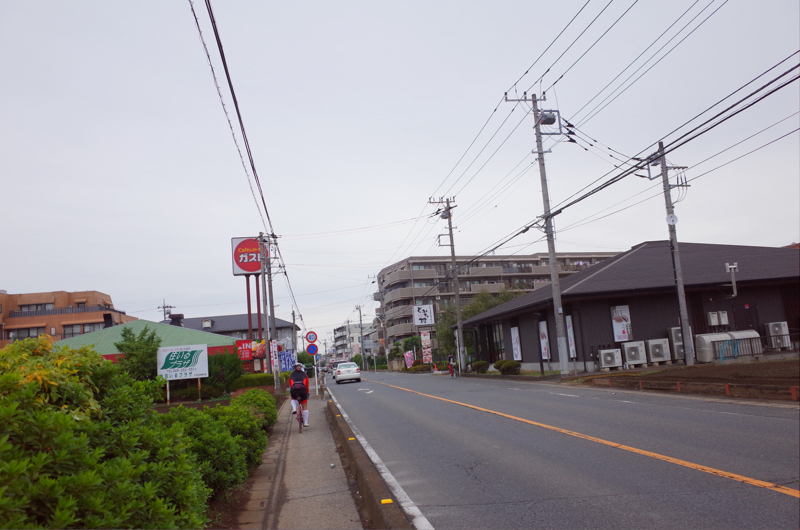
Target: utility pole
point(166, 308)
point(555, 284)
point(266, 271)
point(361, 337)
point(294, 335)
point(672, 220)
point(448, 214)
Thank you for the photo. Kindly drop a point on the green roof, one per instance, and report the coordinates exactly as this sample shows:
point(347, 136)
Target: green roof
point(103, 340)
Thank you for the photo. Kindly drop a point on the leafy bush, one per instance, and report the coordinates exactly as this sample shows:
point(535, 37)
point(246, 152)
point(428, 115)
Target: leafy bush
point(223, 370)
point(510, 368)
point(80, 446)
point(305, 358)
point(246, 429)
point(420, 368)
point(499, 365)
point(219, 457)
point(480, 367)
point(261, 404)
point(417, 362)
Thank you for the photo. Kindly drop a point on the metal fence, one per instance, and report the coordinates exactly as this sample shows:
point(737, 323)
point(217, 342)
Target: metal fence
point(731, 348)
point(62, 311)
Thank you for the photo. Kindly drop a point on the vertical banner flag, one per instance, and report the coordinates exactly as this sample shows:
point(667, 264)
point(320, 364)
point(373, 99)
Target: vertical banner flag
point(183, 362)
point(571, 338)
point(427, 353)
point(409, 356)
point(423, 315)
point(515, 344)
point(621, 322)
point(543, 340)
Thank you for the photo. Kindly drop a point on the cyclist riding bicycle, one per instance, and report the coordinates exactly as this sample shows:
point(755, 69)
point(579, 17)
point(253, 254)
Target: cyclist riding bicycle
point(299, 390)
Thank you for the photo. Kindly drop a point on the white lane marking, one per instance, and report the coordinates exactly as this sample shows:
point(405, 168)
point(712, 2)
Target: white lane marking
point(419, 521)
point(567, 395)
point(370, 391)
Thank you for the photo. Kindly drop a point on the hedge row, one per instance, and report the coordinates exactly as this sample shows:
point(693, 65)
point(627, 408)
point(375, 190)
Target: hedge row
point(81, 447)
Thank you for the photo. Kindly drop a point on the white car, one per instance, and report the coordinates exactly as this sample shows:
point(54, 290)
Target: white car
point(347, 372)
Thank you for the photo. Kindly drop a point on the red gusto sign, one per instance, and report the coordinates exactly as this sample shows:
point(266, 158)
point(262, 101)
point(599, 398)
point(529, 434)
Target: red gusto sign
point(245, 255)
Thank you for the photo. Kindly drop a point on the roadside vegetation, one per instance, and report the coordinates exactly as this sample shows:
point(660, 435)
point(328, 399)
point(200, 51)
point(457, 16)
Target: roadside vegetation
point(81, 445)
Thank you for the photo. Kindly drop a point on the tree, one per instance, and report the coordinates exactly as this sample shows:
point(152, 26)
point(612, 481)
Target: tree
point(396, 351)
point(305, 358)
point(481, 302)
point(412, 343)
point(141, 353)
point(223, 370)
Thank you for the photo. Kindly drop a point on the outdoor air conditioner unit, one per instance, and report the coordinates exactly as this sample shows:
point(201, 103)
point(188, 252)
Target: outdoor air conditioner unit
point(778, 333)
point(634, 352)
point(676, 342)
point(610, 358)
point(658, 350)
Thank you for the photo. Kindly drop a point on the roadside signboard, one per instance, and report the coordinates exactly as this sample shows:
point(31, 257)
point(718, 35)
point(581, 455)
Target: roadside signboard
point(423, 315)
point(183, 362)
point(287, 360)
point(244, 349)
point(245, 255)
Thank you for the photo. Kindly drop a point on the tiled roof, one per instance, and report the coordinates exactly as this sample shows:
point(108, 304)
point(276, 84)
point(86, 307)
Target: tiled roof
point(103, 340)
point(224, 323)
point(649, 266)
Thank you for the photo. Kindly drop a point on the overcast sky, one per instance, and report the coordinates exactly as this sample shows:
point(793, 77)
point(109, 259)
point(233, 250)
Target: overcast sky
point(119, 172)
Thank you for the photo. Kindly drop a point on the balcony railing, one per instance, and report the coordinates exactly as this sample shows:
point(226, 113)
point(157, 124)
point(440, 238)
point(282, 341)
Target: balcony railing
point(62, 311)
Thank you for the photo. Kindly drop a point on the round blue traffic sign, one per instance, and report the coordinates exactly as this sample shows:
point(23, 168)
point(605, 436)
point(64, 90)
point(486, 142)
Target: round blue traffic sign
point(312, 349)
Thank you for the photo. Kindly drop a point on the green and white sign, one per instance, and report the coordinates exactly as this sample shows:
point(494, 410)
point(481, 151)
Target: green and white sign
point(183, 362)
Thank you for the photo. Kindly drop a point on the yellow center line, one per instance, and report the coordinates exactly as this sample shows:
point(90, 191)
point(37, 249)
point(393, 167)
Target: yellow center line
point(684, 463)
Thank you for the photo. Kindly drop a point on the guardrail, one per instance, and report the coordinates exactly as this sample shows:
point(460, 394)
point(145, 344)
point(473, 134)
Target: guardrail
point(732, 348)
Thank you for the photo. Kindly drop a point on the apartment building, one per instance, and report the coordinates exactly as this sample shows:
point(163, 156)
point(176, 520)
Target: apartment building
point(423, 280)
point(59, 314)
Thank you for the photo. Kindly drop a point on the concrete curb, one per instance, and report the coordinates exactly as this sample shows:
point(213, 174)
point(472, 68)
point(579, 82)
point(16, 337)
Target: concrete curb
point(370, 484)
point(689, 387)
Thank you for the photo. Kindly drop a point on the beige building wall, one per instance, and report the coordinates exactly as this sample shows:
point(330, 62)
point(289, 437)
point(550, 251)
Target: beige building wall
point(32, 314)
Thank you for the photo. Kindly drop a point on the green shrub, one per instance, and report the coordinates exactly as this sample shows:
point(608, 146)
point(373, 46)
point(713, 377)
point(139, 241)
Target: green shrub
point(420, 368)
point(261, 404)
point(241, 423)
point(218, 452)
point(223, 370)
point(510, 368)
point(480, 367)
point(499, 365)
point(251, 380)
point(81, 448)
point(417, 362)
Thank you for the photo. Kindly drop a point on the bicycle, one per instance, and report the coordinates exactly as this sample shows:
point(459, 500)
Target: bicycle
point(300, 415)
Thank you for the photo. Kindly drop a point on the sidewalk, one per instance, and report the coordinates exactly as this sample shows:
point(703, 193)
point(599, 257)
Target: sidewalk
point(309, 493)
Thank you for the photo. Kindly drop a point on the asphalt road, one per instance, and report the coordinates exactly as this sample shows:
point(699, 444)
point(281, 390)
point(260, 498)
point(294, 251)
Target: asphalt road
point(468, 468)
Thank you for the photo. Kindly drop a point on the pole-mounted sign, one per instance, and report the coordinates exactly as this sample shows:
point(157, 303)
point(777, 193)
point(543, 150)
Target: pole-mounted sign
point(245, 255)
point(311, 336)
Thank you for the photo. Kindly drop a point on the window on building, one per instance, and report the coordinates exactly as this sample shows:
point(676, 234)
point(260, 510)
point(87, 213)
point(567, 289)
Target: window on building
point(422, 284)
point(35, 307)
point(421, 267)
point(80, 305)
point(24, 333)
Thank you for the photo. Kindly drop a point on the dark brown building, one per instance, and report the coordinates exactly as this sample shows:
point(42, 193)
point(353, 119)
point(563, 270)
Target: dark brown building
point(640, 283)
